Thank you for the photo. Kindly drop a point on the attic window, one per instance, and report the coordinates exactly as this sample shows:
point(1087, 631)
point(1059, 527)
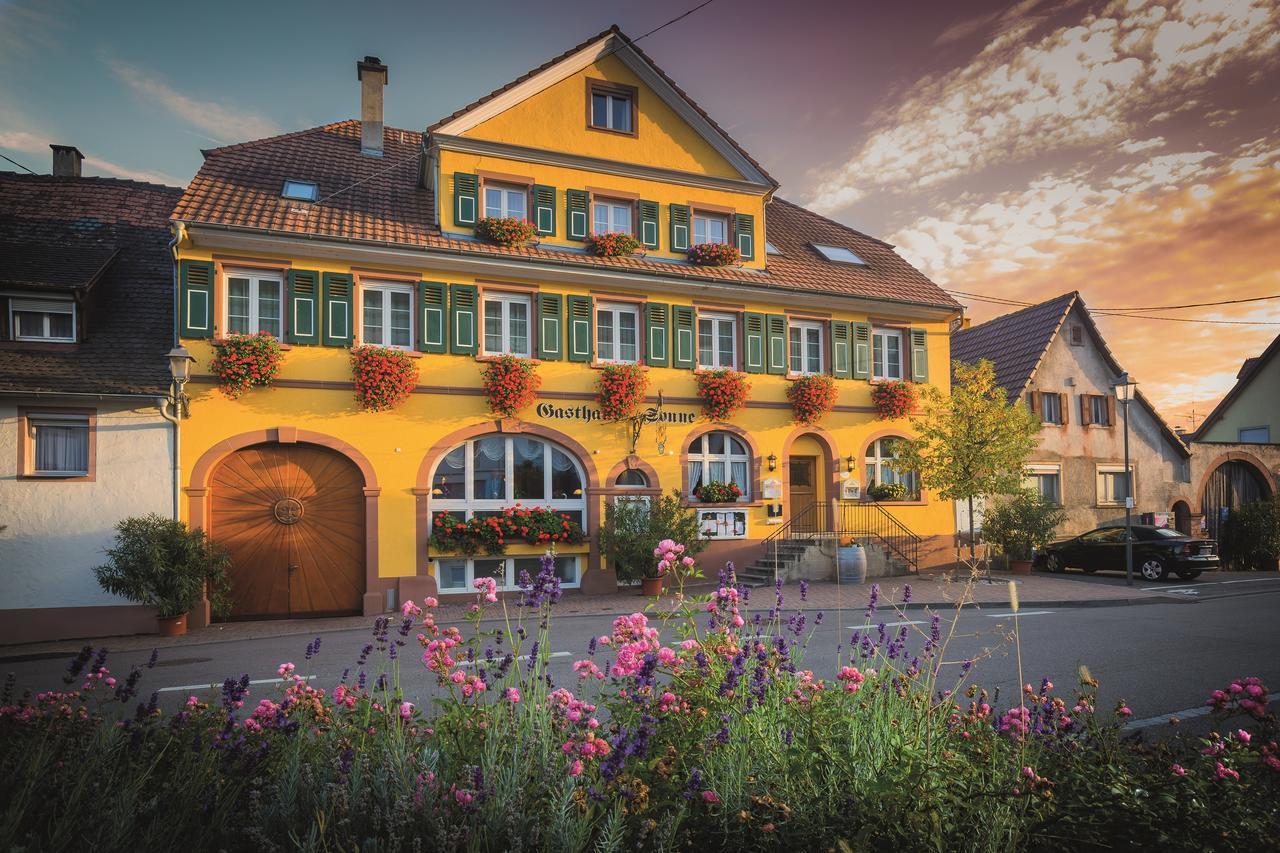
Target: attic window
point(611, 106)
point(839, 254)
point(300, 190)
point(1077, 336)
point(771, 249)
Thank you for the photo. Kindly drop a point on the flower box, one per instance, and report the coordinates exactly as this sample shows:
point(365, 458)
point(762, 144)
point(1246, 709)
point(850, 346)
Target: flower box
point(620, 390)
point(506, 231)
point(716, 492)
point(614, 244)
point(893, 399)
point(535, 526)
point(510, 384)
point(246, 361)
point(723, 392)
point(384, 378)
point(714, 255)
point(812, 398)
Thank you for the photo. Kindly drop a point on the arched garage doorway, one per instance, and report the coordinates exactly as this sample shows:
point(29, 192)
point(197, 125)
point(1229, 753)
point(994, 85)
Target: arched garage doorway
point(1233, 484)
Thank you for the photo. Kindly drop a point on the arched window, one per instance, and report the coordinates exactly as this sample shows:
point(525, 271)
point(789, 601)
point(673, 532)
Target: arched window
point(632, 478)
point(880, 455)
point(486, 475)
point(719, 457)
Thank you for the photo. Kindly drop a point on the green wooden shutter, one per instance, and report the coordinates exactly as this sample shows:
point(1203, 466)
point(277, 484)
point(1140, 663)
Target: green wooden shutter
point(544, 209)
point(776, 334)
point(684, 350)
point(657, 352)
point(919, 355)
point(680, 228)
point(861, 335)
point(841, 354)
point(579, 310)
point(304, 307)
point(744, 228)
point(550, 326)
point(753, 358)
point(463, 319)
point(338, 305)
point(575, 205)
point(432, 320)
point(197, 299)
point(466, 198)
point(649, 224)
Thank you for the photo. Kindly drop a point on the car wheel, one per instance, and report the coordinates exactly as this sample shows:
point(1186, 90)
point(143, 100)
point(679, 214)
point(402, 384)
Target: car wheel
point(1054, 564)
point(1187, 576)
point(1153, 570)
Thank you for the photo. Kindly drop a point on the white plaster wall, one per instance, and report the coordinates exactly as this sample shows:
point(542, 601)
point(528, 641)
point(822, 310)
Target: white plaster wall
point(52, 534)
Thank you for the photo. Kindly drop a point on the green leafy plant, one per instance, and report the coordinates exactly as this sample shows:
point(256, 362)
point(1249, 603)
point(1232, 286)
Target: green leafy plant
point(714, 254)
point(1250, 537)
point(632, 529)
point(506, 231)
point(1021, 523)
point(159, 562)
point(246, 361)
point(492, 533)
point(887, 492)
point(615, 244)
point(716, 492)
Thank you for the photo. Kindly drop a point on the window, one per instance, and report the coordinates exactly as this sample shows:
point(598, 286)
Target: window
point(253, 303)
point(1050, 409)
point(610, 217)
point(717, 341)
point(501, 201)
point(617, 333)
point(1099, 411)
point(886, 354)
point(632, 478)
point(719, 457)
point(506, 324)
point(1077, 336)
point(1255, 435)
point(1046, 481)
point(839, 254)
point(770, 249)
point(300, 190)
point(60, 445)
point(612, 108)
point(710, 228)
point(456, 574)
point(806, 346)
point(1113, 485)
point(1104, 535)
point(388, 315)
point(880, 456)
point(43, 320)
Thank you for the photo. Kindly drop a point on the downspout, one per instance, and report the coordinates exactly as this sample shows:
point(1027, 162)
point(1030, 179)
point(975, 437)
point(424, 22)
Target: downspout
point(170, 407)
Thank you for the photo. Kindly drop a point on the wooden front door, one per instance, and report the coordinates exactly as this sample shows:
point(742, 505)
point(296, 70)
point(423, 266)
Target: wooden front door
point(293, 517)
point(803, 493)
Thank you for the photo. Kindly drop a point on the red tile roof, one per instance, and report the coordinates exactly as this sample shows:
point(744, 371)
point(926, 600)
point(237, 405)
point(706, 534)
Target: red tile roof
point(380, 200)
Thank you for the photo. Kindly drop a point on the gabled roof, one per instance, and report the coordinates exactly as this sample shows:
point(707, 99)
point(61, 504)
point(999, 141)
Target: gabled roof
point(62, 265)
point(1248, 371)
point(609, 42)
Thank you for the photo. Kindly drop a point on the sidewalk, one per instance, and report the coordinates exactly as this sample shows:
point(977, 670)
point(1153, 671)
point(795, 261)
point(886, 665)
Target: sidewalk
point(940, 590)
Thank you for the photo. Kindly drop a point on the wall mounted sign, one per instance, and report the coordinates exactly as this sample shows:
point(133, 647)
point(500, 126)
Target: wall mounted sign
point(722, 524)
point(587, 414)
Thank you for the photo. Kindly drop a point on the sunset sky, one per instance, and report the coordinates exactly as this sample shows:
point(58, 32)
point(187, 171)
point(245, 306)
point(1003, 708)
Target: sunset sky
point(1130, 150)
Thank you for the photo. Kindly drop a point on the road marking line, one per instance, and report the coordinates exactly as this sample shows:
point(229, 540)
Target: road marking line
point(1189, 713)
point(1208, 583)
point(1249, 580)
point(208, 686)
point(1023, 613)
point(497, 658)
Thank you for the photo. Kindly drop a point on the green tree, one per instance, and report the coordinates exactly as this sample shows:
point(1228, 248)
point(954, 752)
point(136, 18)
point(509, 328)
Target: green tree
point(972, 443)
point(1022, 523)
point(633, 528)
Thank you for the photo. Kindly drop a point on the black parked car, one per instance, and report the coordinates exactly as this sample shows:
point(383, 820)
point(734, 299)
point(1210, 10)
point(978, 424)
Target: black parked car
point(1157, 551)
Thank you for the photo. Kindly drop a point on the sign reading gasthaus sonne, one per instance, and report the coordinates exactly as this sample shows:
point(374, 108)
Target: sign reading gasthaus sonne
point(587, 413)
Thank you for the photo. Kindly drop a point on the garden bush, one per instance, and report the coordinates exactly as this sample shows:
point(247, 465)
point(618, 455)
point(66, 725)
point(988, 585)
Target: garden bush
point(1251, 536)
point(696, 729)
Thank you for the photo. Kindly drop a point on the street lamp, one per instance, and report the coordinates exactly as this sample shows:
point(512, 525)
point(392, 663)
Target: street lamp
point(180, 370)
point(1122, 386)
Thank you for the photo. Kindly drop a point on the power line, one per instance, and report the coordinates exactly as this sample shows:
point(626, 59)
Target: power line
point(1124, 313)
point(1001, 300)
point(16, 163)
point(1188, 319)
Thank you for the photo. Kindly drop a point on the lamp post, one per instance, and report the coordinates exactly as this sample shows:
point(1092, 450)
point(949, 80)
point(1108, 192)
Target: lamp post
point(1122, 386)
point(173, 408)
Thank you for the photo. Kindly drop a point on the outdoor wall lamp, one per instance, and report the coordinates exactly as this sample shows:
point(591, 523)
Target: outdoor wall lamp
point(849, 463)
point(180, 373)
point(773, 462)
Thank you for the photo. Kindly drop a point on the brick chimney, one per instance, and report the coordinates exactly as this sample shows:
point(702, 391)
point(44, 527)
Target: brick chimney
point(373, 79)
point(66, 161)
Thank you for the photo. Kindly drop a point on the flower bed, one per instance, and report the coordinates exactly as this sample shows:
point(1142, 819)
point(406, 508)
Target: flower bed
point(716, 492)
point(533, 525)
point(620, 390)
point(714, 254)
point(384, 378)
point(246, 361)
point(505, 230)
point(723, 392)
point(510, 384)
point(614, 244)
point(893, 399)
point(812, 398)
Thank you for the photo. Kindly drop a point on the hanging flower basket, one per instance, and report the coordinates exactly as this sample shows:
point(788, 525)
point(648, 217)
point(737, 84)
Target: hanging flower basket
point(510, 384)
point(492, 534)
point(505, 230)
point(812, 397)
point(384, 378)
point(723, 392)
point(620, 390)
point(717, 492)
point(893, 399)
point(614, 244)
point(714, 255)
point(246, 361)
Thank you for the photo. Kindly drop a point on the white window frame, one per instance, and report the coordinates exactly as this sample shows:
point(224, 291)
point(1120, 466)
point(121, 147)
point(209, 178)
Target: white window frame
point(700, 222)
point(507, 300)
point(45, 306)
point(35, 420)
point(1033, 472)
point(1100, 479)
point(808, 330)
point(614, 310)
point(611, 208)
point(876, 463)
point(511, 579)
point(704, 459)
point(255, 277)
point(879, 371)
point(386, 288)
point(610, 97)
point(717, 355)
point(504, 207)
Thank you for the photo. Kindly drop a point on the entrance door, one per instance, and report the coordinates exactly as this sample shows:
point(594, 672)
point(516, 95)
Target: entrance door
point(803, 494)
point(292, 516)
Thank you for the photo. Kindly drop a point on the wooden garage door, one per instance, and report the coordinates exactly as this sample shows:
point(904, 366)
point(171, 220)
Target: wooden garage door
point(293, 517)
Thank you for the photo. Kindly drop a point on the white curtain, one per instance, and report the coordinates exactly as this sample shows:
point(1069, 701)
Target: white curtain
point(739, 474)
point(62, 448)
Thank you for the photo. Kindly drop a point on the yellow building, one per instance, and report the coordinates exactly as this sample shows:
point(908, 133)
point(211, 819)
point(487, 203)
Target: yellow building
point(358, 233)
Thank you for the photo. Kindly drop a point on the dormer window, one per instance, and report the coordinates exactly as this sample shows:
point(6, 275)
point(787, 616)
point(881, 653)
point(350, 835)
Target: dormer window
point(710, 228)
point(49, 320)
point(611, 106)
point(839, 255)
point(300, 190)
point(770, 249)
point(504, 201)
point(610, 217)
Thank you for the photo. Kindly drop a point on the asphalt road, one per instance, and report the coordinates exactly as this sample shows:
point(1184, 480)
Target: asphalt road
point(1160, 658)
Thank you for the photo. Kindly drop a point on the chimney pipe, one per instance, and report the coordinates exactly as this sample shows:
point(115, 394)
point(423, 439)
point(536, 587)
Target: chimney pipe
point(373, 79)
point(66, 161)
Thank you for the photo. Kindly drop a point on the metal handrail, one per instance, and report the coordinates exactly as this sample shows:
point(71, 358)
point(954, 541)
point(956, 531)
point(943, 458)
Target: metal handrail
point(852, 519)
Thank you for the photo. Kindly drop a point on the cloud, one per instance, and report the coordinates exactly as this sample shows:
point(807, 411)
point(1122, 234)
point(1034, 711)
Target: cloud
point(1072, 87)
point(36, 142)
point(222, 122)
point(1136, 146)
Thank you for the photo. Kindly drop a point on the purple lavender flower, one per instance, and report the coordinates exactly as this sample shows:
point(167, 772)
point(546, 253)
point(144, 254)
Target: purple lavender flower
point(965, 667)
point(804, 590)
point(873, 600)
point(155, 656)
point(906, 594)
point(591, 646)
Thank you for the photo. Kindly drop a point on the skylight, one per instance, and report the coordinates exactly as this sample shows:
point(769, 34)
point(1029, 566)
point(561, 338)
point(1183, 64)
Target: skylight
point(299, 190)
point(839, 254)
point(771, 249)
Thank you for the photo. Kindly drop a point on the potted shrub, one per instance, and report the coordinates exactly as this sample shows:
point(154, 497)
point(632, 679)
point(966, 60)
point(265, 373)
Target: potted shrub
point(510, 384)
point(714, 254)
point(893, 399)
point(506, 231)
point(246, 361)
point(716, 492)
point(384, 378)
point(812, 397)
point(614, 244)
point(723, 392)
point(887, 492)
point(633, 528)
point(1021, 524)
point(159, 562)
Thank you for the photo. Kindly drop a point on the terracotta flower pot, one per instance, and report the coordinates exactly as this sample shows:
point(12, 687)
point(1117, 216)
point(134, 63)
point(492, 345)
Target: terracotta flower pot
point(173, 626)
point(651, 586)
point(1020, 567)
